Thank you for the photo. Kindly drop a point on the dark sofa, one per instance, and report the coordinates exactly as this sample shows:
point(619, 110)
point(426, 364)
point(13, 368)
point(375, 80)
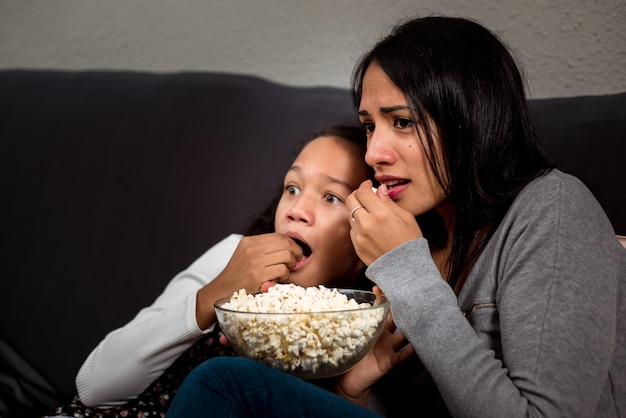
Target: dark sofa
point(112, 182)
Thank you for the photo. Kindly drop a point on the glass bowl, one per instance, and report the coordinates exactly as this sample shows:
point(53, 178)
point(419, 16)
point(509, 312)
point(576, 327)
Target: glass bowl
point(312, 344)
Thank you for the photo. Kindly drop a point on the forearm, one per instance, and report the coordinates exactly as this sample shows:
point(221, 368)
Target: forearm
point(538, 368)
point(426, 311)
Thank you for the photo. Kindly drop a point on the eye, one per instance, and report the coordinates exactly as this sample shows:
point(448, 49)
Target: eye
point(403, 123)
point(332, 199)
point(292, 190)
point(368, 127)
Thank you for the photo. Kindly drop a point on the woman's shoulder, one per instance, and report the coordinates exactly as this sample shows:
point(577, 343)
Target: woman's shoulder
point(556, 181)
point(562, 201)
point(558, 191)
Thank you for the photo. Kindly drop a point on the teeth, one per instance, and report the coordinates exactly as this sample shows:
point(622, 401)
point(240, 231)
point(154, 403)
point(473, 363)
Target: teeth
point(374, 189)
point(392, 184)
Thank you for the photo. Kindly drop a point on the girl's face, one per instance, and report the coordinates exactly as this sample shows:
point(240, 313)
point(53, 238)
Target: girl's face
point(313, 211)
point(394, 149)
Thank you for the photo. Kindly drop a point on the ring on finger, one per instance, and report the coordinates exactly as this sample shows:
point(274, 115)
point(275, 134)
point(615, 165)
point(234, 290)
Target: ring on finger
point(354, 210)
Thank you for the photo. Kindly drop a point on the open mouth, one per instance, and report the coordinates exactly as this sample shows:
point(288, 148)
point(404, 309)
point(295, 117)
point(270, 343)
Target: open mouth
point(306, 250)
point(396, 183)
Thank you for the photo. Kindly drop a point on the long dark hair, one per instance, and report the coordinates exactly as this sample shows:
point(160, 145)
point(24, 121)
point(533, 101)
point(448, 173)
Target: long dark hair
point(459, 75)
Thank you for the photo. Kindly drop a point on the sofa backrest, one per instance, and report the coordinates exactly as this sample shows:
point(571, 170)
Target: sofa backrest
point(587, 138)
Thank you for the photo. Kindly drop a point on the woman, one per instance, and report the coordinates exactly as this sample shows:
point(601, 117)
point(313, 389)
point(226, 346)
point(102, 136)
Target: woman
point(303, 238)
point(520, 309)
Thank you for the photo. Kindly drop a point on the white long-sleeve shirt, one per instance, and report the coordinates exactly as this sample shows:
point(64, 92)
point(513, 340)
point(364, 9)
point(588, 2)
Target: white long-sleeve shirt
point(130, 358)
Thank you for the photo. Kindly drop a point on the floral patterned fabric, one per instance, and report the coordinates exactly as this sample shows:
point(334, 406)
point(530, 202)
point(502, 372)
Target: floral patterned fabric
point(155, 400)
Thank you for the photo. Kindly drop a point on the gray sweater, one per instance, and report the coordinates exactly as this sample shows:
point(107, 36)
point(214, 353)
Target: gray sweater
point(538, 328)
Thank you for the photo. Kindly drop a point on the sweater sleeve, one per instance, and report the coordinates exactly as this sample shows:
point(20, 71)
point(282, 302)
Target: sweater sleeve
point(129, 358)
point(553, 269)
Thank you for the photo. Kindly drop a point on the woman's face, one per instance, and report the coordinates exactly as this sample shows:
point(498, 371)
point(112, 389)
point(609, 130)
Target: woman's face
point(313, 211)
point(394, 149)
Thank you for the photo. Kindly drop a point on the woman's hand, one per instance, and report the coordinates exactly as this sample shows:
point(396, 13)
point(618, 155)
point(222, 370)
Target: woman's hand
point(224, 341)
point(379, 225)
point(390, 350)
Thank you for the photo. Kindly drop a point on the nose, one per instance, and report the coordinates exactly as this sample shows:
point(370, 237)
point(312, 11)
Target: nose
point(302, 210)
point(379, 151)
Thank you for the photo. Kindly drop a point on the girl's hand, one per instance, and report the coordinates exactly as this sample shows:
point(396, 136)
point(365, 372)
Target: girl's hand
point(259, 261)
point(390, 350)
point(379, 225)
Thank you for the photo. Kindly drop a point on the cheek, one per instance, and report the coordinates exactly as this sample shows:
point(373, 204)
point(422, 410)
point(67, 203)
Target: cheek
point(422, 170)
point(334, 232)
point(280, 214)
point(339, 246)
point(335, 224)
point(336, 261)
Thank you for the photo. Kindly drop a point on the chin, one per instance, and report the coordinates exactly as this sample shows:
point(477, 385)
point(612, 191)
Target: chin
point(300, 279)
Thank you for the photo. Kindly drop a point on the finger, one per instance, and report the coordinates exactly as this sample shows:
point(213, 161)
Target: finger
point(354, 211)
point(284, 257)
point(402, 355)
point(365, 197)
point(390, 325)
point(265, 286)
point(295, 249)
point(254, 247)
point(277, 273)
point(398, 340)
point(276, 242)
point(364, 193)
point(224, 340)
point(289, 244)
point(352, 200)
point(382, 192)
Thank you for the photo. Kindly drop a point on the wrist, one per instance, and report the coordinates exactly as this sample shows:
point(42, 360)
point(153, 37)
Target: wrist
point(205, 312)
point(361, 398)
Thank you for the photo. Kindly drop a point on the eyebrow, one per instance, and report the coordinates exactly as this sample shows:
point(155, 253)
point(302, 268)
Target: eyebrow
point(386, 109)
point(330, 179)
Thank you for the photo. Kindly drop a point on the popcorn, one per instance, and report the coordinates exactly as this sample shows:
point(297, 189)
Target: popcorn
point(305, 331)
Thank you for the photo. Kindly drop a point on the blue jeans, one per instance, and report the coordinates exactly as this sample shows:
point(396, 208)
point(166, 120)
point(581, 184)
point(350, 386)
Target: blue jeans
point(239, 387)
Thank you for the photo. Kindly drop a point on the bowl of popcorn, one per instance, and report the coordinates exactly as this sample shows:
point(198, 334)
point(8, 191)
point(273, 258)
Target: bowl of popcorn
point(311, 333)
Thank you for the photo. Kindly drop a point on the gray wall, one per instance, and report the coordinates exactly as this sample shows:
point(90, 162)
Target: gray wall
point(567, 47)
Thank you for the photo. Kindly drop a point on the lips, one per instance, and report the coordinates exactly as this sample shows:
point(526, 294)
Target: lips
point(391, 184)
point(394, 186)
point(306, 250)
